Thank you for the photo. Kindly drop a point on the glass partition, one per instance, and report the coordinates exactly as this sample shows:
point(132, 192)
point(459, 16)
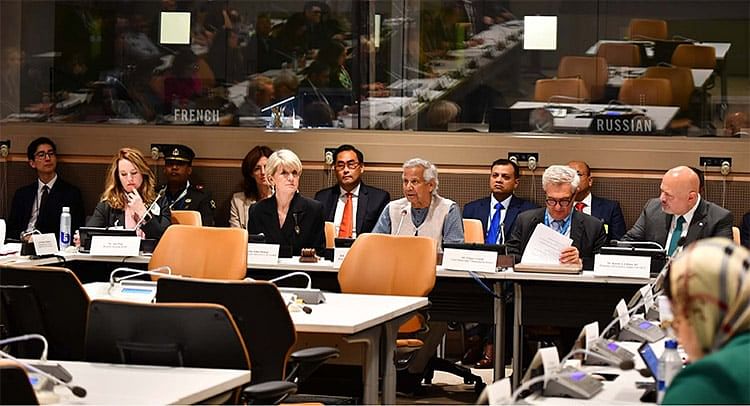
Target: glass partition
point(590, 66)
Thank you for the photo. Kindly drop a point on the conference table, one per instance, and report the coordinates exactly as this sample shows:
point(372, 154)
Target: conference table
point(108, 384)
point(539, 298)
point(617, 74)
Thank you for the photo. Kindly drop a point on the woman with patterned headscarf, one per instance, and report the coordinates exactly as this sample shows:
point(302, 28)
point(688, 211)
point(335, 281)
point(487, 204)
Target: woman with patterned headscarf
point(709, 288)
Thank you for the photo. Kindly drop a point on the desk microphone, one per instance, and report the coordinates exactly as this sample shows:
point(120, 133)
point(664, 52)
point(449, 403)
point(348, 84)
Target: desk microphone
point(150, 209)
point(160, 271)
point(631, 244)
point(403, 214)
point(27, 337)
point(77, 390)
point(625, 365)
point(289, 275)
point(502, 233)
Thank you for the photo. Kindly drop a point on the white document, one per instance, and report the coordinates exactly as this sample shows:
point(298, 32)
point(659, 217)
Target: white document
point(550, 361)
point(545, 246)
point(44, 244)
point(339, 253)
point(262, 254)
point(119, 246)
point(469, 260)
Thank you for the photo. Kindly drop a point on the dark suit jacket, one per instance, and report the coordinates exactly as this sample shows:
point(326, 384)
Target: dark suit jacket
point(480, 210)
point(63, 194)
point(370, 203)
point(587, 233)
point(105, 216)
point(745, 230)
point(610, 213)
point(304, 214)
point(709, 220)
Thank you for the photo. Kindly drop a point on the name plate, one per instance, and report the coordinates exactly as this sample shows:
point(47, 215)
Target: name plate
point(263, 254)
point(339, 253)
point(44, 244)
point(120, 246)
point(622, 313)
point(628, 266)
point(469, 260)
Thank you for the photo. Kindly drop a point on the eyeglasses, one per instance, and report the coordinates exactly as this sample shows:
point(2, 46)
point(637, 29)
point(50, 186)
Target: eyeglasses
point(42, 154)
point(562, 202)
point(351, 165)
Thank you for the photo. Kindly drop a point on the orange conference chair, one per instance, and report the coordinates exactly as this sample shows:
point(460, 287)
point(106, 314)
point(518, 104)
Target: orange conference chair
point(646, 92)
point(473, 231)
point(187, 217)
point(620, 54)
point(568, 90)
point(645, 28)
point(202, 252)
point(330, 234)
point(592, 69)
point(694, 56)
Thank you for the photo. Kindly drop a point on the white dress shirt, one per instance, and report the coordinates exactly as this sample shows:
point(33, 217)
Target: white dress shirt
point(688, 218)
point(493, 203)
point(38, 201)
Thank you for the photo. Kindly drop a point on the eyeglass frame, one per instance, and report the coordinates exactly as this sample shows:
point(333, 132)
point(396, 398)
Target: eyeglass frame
point(563, 203)
point(44, 154)
point(352, 165)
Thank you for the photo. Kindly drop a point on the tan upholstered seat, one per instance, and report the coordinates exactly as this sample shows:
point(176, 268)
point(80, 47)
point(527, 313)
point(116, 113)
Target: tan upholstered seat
point(203, 252)
point(187, 217)
point(644, 28)
point(646, 92)
point(568, 90)
point(620, 54)
point(330, 234)
point(592, 69)
point(473, 231)
point(694, 56)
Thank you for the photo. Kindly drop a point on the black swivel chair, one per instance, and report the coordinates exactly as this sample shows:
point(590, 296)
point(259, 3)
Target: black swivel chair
point(45, 300)
point(264, 322)
point(15, 388)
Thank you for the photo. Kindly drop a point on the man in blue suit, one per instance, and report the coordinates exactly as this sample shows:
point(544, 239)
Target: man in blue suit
point(606, 210)
point(497, 213)
point(504, 179)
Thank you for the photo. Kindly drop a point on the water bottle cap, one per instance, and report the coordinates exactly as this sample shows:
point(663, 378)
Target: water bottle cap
point(66, 210)
point(670, 344)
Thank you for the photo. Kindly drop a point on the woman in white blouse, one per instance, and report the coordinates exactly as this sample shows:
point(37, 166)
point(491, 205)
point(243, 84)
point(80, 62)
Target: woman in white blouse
point(255, 186)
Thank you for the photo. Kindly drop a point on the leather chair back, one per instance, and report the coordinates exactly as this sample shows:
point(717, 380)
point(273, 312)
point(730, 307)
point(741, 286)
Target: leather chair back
point(202, 252)
point(694, 56)
point(44, 300)
point(680, 79)
point(187, 217)
point(646, 92)
point(330, 234)
point(620, 54)
point(473, 231)
point(259, 311)
point(174, 334)
point(644, 28)
point(592, 69)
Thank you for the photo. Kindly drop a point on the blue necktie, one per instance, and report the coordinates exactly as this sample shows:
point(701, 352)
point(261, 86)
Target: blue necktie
point(676, 234)
point(493, 234)
point(557, 225)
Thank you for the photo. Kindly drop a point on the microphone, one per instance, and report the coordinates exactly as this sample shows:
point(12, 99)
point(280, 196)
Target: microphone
point(278, 103)
point(77, 390)
point(296, 223)
point(632, 244)
point(289, 275)
point(625, 365)
point(502, 231)
point(150, 209)
point(403, 214)
point(137, 272)
point(27, 337)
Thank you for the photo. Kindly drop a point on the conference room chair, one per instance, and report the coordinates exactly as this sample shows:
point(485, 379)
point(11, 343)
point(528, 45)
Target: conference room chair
point(330, 231)
point(44, 300)
point(187, 217)
point(473, 231)
point(407, 270)
point(646, 92)
point(196, 335)
point(202, 252)
point(15, 387)
point(683, 88)
point(620, 54)
point(567, 90)
point(694, 56)
point(646, 28)
point(592, 69)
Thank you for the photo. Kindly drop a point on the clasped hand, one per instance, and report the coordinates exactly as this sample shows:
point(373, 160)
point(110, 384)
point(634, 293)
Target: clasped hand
point(135, 203)
point(570, 255)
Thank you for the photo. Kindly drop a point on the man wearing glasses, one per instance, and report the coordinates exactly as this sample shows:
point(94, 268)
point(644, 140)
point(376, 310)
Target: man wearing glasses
point(352, 206)
point(38, 206)
point(560, 184)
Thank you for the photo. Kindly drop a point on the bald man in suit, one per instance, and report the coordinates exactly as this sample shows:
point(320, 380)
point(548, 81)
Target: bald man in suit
point(680, 211)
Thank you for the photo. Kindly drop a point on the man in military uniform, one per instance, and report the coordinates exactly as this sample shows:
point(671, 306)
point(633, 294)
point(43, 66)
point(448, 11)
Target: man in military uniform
point(180, 193)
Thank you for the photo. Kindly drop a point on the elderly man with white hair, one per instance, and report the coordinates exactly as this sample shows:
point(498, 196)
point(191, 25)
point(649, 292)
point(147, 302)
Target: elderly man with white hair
point(422, 211)
point(560, 184)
